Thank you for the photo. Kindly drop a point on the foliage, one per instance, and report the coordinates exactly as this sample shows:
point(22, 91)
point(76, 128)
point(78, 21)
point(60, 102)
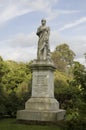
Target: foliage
point(12, 104)
point(75, 125)
point(70, 91)
point(79, 74)
point(69, 96)
point(2, 93)
point(72, 115)
point(17, 74)
point(15, 86)
point(2, 102)
point(60, 65)
point(67, 55)
point(63, 57)
point(66, 93)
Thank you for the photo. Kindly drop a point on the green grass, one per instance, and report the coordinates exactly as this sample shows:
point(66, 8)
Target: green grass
point(11, 124)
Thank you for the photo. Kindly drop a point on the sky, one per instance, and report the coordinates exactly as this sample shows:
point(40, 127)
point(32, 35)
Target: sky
point(19, 20)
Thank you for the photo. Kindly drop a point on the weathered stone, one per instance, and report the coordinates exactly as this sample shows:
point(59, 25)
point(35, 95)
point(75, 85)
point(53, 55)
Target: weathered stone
point(42, 106)
point(43, 82)
point(40, 115)
point(43, 32)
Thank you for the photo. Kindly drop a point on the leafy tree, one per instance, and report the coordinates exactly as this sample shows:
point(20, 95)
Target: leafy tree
point(79, 73)
point(60, 65)
point(2, 102)
point(2, 94)
point(15, 83)
point(17, 74)
point(14, 103)
point(66, 93)
point(2, 68)
point(67, 55)
point(63, 57)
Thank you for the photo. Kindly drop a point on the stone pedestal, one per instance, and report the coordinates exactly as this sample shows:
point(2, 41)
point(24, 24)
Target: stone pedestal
point(42, 106)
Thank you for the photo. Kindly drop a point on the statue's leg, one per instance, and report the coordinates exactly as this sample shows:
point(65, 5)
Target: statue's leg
point(48, 51)
point(45, 53)
point(38, 54)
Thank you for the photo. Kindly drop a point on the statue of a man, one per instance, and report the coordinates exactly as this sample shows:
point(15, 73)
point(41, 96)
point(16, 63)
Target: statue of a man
point(43, 32)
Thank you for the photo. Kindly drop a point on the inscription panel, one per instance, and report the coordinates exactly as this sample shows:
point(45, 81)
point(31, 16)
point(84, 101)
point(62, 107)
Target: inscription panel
point(41, 80)
point(40, 85)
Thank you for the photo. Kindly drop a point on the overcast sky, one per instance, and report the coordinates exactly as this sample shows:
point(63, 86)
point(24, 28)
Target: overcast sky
point(19, 20)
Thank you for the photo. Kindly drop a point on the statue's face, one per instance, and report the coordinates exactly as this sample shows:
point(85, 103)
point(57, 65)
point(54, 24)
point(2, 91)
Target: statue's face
point(43, 21)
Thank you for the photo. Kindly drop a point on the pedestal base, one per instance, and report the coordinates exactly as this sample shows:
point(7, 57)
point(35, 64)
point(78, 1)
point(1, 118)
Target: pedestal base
point(41, 109)
point(40, 116)
point(42, 106)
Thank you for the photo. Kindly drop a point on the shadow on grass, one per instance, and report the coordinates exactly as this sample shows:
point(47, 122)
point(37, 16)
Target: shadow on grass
point(13, 124)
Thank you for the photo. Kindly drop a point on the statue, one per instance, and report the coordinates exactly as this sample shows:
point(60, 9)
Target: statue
point(43, 32)
point(42, 106)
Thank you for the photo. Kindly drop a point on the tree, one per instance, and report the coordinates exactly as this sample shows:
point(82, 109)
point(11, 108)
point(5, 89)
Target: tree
point(60, 65)
point(17, 74)
point(1, 68)
point(66, 93)
point(15, 86)
point(2, 102)
point(79, 74)
point(63, 57)
point(2, 94)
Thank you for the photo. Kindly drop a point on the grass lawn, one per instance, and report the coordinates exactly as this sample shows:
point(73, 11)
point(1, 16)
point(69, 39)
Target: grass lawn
point(10, 124)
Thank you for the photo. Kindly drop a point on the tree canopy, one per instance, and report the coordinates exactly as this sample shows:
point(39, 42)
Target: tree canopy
point(63, 57)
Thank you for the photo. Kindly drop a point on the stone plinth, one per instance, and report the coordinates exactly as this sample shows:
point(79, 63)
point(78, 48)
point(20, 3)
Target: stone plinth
point(43, 79)
point(42, 106)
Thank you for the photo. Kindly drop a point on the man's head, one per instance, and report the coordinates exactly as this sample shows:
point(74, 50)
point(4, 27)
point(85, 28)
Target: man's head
point(43, 21)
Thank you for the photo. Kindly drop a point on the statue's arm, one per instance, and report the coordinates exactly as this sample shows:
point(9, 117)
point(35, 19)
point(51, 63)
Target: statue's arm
point(39, 31)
